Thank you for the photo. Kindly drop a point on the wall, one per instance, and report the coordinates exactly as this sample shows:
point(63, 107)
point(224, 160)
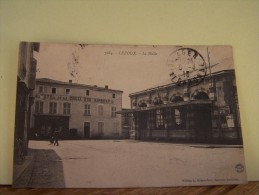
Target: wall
point(77, 115)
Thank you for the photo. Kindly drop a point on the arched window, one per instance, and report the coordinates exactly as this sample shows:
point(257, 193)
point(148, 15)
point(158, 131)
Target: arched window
point(142, 103)
point(200, 96)
point(176, 98)
point(134, 104)
point(157, 101)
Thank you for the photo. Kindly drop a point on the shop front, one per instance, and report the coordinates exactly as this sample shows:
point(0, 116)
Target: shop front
point(45, 125)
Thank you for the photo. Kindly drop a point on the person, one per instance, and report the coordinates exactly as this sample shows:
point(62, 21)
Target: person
point(51, 140)
point(56, 137)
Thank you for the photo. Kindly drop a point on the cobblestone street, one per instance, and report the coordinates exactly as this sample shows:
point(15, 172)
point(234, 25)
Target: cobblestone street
point(128, 163)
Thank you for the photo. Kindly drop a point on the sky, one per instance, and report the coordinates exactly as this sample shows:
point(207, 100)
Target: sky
point(127, 68)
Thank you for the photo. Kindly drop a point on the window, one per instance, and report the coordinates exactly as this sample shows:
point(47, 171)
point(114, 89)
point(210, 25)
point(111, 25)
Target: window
point(66, 108)
point(113, 111)
point(67, 91)
point(87, 92)
point(39, 107)
point(87, 109)
point(41, 89)
point(159, 119)
point(53, 90)
point(100, 110)
point(53, 108)
point(178, 119)
point(113, 95)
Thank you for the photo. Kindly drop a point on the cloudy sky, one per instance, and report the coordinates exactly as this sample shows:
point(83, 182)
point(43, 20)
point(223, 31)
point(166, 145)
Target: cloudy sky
point(126, 68)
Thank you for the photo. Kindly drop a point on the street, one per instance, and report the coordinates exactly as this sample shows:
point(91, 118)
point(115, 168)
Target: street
point(129, 163)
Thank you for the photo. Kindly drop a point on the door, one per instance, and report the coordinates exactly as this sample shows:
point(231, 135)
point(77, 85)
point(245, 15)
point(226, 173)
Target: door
point(100, 129)
point(203, 124)
point(86, 130)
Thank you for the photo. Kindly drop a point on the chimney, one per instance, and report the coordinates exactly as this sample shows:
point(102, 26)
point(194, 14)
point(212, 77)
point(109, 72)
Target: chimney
point(106, 87)
point(70, 81)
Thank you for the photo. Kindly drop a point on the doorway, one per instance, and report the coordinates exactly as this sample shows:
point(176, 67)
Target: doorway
point(203, 124)
point(100, 129)
point(86, 130)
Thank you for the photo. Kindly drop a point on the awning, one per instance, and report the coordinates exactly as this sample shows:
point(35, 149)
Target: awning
point(128, 111)
point(169, 105)
point(52, 115)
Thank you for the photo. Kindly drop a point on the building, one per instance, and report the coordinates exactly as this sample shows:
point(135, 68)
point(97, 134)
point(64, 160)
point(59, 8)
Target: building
point(205, 112)
point(76, 110)
point(126, 122)
point(26, 76)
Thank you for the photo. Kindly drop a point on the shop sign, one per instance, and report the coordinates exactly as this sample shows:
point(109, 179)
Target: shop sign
point(73, 98)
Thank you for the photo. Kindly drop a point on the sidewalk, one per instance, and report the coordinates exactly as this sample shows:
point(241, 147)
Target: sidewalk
point(18, 169)
point(42, 168)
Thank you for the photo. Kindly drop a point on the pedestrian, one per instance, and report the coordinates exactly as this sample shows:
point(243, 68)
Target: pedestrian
point(51, 139)
point(56, 137)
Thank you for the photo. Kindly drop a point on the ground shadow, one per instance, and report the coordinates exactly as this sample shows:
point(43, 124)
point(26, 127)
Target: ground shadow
point(44, 171)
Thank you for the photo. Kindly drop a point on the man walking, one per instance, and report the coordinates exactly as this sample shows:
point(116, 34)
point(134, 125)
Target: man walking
point(56, 137)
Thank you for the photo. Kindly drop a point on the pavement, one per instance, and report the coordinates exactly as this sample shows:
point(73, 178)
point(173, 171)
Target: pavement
point(19, 167)
point(127, 163)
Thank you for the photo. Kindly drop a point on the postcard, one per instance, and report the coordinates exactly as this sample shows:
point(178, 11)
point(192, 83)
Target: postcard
point(122, 116)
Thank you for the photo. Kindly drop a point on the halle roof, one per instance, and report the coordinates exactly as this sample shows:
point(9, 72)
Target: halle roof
point(168, 82)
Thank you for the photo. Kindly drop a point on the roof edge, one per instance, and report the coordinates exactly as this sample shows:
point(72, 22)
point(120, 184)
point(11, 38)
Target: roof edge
point(172, 84)
point(56, 82)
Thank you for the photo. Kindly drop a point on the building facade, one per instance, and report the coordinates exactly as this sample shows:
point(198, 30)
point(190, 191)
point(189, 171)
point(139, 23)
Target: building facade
point(26, 76)
point(126, 122)
point(76, 110)
point(206, 112)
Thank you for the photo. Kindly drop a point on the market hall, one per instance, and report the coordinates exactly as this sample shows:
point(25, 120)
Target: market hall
point(199, 104)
